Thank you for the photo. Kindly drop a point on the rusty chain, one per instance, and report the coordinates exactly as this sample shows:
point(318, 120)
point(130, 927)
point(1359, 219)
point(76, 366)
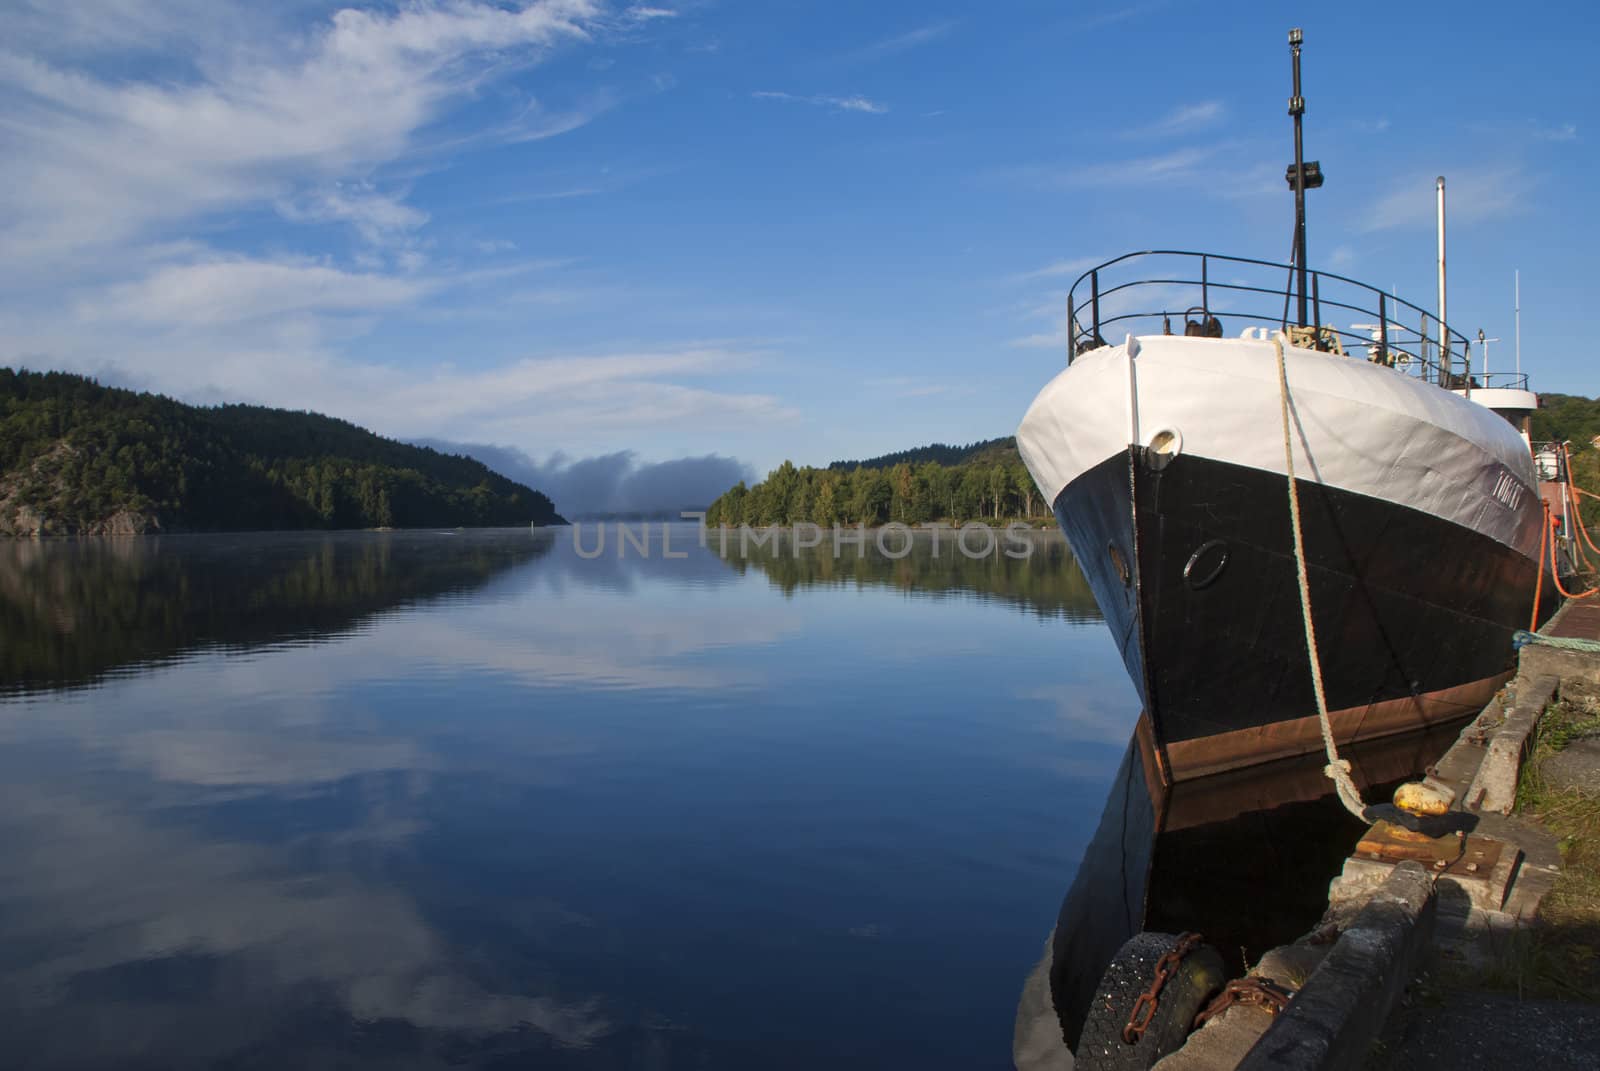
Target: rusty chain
point(1253, 989)
point(1144, 1009)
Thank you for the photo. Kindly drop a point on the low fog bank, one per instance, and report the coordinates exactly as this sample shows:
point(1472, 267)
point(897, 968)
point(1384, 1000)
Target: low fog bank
point(610, 484)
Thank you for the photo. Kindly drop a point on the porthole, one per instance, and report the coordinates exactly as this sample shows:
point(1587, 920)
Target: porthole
point(1206, 564)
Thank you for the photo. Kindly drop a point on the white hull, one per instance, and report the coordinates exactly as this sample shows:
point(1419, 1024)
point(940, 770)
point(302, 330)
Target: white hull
point(1358, 426)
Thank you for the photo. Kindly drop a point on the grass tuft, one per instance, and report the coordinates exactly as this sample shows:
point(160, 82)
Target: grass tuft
point(1560, 957)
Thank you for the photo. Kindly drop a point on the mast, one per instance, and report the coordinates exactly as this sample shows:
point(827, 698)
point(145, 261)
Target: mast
point(1297, 107)
point(1444, 320)
point(1516, 303)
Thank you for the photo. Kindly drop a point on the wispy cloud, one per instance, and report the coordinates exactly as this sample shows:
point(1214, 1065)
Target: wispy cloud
point(1177, 165)
point(904, 42)
point(1122, 14)
point(1184, 119)
point(1557, 132)
point(1074, 266)
point(641, 13)
point(1525, 130)
point(1472, 198)
point(823, 100)
point(909, 386)
point(549, 195)
point(1042, 340)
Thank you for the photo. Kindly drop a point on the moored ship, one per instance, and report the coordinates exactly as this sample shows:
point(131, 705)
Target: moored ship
point(1174, 463)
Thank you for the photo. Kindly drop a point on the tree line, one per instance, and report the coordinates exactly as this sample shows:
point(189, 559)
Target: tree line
point(989, 488)
point(944, 453)
point(75, 453)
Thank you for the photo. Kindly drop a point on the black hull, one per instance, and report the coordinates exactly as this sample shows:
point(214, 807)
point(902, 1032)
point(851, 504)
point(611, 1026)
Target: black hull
point(1192, 563)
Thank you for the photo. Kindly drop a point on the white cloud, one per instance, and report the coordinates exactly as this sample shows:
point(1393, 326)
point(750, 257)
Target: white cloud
point(112, 179)
point(229, 291)
point(90, 160)
point(379, 218)
point(823, 100)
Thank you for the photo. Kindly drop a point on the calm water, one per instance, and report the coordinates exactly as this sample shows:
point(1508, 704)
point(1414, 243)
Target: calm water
point(416, 800)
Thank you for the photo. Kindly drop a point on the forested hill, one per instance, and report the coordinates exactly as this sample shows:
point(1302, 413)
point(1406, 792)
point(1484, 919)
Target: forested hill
point(987, 488)
point(1003, 449)
point(1564, 417)
point(981, 481)
point(76, 457)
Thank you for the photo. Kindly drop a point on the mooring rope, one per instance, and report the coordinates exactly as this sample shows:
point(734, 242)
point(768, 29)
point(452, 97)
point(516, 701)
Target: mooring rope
point(1337, 769)
point(1522, 638)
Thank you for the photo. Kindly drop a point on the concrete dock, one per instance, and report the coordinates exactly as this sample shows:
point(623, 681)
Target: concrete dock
point(1431, 929)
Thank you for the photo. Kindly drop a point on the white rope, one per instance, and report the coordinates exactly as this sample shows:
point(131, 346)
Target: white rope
point(1337, 769)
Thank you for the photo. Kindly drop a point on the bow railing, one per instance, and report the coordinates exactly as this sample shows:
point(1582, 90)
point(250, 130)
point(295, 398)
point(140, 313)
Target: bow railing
point(1215, 295)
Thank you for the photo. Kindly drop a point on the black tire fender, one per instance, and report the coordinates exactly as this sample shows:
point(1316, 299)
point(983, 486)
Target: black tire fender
point(1199, 976)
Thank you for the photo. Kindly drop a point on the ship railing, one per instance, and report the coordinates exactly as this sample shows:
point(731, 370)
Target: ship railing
point(1500, 380)
point(1215, 295)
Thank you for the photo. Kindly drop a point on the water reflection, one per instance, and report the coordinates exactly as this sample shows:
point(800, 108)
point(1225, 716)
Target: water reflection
point(445, 799)
point(73, 610)
point(1244, 858)
point(1040, 574)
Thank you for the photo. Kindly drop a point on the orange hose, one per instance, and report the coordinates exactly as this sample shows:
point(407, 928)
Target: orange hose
point(1577, 519)
point(1538, 587)
point(1583, 559)
point(1578, 523)
point(1555, 572)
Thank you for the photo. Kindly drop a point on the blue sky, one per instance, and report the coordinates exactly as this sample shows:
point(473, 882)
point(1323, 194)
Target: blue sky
point(761, 230)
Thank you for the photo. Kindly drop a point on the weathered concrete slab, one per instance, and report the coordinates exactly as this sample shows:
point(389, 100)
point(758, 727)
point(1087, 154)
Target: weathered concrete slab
point(1575, 766)
point(1494, 788)
point(1491, 1031)
point(1222, 1043)
point(1337, 1014)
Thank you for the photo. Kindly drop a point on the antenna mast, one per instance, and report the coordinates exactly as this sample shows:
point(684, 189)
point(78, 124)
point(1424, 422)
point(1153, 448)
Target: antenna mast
point(1297, 177)
point(1516, 301)
point(1445, 371)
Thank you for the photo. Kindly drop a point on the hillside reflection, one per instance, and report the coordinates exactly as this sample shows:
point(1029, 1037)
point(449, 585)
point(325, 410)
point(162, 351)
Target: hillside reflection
point(1047, 581)
point(73, 611)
